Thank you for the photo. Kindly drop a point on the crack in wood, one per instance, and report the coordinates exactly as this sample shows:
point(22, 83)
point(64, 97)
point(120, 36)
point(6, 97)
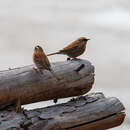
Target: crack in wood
point(98, 120)
point(79, 68)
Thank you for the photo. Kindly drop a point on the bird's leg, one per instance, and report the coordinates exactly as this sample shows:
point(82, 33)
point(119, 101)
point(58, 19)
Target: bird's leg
point(18, 105)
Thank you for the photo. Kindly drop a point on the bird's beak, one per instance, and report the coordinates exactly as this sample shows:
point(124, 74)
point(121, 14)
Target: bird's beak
point(88, 39)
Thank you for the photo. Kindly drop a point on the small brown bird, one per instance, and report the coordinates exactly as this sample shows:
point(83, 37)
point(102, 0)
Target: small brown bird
point(41, 61)
point(74, 49)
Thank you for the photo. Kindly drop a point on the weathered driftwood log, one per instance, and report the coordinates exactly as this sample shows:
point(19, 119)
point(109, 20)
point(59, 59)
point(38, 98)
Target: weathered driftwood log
point(29, 86)
point(91, 112)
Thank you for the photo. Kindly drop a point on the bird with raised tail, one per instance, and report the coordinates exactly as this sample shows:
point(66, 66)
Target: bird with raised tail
point(74, 49)
point(41, 61)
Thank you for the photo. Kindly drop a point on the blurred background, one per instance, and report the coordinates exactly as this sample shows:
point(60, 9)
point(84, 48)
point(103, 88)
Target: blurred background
point(54, 24)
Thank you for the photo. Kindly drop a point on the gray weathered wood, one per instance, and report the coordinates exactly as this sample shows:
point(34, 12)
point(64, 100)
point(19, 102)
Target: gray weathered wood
point(28, 85)
point(103, 124)
point(90, 112)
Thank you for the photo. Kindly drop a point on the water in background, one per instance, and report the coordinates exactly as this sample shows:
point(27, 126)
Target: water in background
point(53, 24)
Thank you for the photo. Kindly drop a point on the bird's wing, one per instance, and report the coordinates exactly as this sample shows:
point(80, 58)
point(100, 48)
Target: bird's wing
point(43, 60)
point(70, 47)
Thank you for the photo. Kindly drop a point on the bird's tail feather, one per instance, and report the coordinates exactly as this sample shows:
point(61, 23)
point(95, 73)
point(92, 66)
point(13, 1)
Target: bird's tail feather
point(55, 75)
point(53, 53)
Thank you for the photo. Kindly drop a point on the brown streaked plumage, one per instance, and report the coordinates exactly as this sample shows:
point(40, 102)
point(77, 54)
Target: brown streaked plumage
point(41, 61)
point(74, 49)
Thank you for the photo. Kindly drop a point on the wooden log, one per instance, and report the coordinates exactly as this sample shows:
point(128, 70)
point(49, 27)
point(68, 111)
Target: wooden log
point(91, 112)
point(29, 86)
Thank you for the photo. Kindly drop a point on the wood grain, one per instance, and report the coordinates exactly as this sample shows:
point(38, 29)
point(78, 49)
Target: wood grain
point(30, 86)
point(91, 112)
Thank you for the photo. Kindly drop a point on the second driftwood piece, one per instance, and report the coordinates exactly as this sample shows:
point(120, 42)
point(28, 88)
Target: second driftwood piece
point(91, 112)
point(29, 86)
